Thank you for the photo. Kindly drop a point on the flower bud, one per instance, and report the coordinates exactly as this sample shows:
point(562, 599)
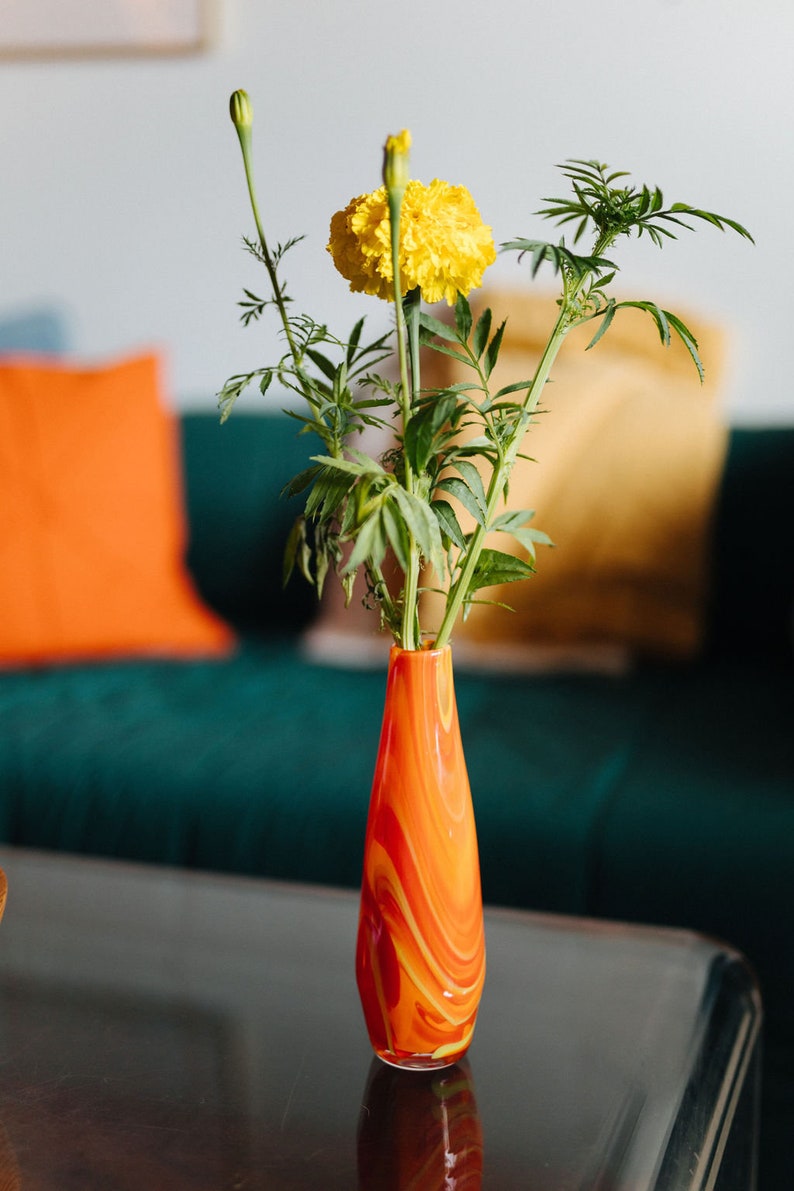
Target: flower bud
point(396, 154)
point(240, 110)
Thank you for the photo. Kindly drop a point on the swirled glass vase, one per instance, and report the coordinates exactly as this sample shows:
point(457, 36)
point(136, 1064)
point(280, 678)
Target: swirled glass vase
point(420, 955)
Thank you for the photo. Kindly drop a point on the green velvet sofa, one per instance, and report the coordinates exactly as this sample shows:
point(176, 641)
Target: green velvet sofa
point(664, 796)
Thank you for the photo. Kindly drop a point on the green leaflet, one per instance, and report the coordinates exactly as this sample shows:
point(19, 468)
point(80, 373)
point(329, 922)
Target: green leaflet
point(665, 322)
point(421, 434)
point(301, 481)
point(558, 256)
point(448, 523)
point(515, 523)
point(513, 519)
point(328, 492)
point(492, 353)
point(370, 543)
point(494, 567)
point(481, 333)
point(422, 523)
point(463, 319)
point(462, 492)
point(361, 465)
point(297, 552)
point(468, 489)
point(530, 538)
point(432, 327)
point(397, 534)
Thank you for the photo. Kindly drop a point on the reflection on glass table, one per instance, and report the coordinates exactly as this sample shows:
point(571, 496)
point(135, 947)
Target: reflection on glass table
point(420, 1129)
point(186, 1032)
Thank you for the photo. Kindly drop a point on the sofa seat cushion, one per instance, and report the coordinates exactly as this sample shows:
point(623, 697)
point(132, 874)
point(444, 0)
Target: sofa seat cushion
point(700, 831)
point(200, 763)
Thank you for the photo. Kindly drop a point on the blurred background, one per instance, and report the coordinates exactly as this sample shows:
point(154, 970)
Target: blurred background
point(123, 201)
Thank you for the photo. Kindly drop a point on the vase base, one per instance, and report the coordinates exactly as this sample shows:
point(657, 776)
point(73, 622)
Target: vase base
point(421, 1062)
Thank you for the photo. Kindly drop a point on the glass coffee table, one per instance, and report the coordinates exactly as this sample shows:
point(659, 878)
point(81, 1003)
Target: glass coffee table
point(173, 1030)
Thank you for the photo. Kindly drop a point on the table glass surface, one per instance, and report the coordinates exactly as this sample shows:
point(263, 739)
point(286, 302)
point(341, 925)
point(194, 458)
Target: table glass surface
point(167, 1031)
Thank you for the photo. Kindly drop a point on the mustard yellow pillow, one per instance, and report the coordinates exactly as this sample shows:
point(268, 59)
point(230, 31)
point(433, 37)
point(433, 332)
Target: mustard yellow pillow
point(92, 531)
point(629, 450)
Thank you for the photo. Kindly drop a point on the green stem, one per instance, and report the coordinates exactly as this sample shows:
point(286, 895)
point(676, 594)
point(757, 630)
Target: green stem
point(244, 135)
point(395, 204)
point(381, 589)
point(411, 306)
point(411, 629)
point(501, 472)
point(409, 635)
point(332, 444)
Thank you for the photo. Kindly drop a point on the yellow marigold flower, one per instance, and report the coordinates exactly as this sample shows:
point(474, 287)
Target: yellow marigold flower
point(444, 245)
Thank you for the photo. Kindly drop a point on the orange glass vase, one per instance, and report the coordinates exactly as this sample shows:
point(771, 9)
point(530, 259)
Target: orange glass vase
point(420, 955)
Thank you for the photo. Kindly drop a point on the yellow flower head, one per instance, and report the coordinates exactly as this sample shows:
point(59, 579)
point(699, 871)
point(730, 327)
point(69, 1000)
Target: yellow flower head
point(444, 245)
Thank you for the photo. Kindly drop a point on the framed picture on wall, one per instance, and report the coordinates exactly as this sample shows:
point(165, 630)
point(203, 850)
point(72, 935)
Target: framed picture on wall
point(81, 28)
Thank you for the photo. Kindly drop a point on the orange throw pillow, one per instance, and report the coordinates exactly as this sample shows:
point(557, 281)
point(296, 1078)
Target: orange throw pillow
point(92, 532)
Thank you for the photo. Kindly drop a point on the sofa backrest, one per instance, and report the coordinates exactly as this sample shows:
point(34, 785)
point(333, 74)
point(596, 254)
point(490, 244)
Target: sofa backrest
point(238, 520)
point(752, 589)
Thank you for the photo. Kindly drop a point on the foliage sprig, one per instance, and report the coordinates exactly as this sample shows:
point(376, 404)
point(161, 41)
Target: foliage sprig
point(399, 516)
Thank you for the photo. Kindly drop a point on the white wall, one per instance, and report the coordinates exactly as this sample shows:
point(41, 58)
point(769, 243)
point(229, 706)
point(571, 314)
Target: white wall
point(122, 198)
